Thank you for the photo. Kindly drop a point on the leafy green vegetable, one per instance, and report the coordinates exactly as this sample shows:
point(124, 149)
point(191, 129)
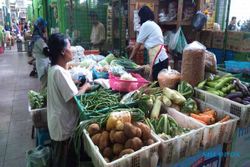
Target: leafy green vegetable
point(37, 99)
point(185, 89)
point(189, 106)
point(126, 63)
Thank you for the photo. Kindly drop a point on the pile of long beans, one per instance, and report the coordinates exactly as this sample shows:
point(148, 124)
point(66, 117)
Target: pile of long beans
point(99, 99)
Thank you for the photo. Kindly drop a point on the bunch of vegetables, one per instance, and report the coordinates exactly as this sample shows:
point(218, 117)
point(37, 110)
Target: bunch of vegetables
point(121, 134)
point(208, 117)
point(227, 86)
point(166, 126)
point(124, 62)
point(152, 99)
point(99, 99)
point(37, 99)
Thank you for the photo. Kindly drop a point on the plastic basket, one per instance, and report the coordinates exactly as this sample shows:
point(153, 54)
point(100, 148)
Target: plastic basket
point(126, 86)
point(238, 67)
point(217, 133)
point(240, 110)
point(184, 145)
point(143, 157)
point(39, 116)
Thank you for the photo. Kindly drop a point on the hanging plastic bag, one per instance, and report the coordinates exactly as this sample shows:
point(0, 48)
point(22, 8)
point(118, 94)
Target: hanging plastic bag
point(169, 78)
point(39, 157)
point(178, 42)
point(199, 21)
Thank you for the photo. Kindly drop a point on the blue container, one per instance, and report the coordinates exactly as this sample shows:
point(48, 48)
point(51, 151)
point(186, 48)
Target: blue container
point(97, 75)
point(42, 137)
point(238, 67)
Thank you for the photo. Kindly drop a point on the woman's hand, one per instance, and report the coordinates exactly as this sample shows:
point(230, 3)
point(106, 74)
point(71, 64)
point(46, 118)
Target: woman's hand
point(84, 88)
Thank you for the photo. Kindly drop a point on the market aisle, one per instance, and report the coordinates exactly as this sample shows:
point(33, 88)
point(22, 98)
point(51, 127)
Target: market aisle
point(15, 121)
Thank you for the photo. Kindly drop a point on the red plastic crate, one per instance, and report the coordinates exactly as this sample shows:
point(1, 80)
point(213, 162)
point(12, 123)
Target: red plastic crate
point(126, 86)
point(89, 52)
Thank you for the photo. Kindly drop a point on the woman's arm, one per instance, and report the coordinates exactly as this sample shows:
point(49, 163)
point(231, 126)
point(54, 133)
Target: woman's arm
point(84, 88)
point(135, 50)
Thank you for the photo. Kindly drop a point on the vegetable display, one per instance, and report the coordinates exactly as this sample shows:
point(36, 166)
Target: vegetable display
point(186, 89)
point(227, 86)
point(37, 99)
point(121, 135)
point(99, 99)
point(124, 62)
point(209, 117)
point(166, 127)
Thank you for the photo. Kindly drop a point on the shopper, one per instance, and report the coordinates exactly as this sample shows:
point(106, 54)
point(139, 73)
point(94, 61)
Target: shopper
point(232, 26)
point(151, 36)
point(97, 37)
point(61, 109)
point(40, 51)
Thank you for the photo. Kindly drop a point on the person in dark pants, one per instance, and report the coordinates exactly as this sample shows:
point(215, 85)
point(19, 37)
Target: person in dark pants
point(62, 114)
point(150, 34)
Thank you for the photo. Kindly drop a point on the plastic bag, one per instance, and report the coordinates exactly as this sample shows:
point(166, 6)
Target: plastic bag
point(169, 78)
point(210, 62)
point(178, 42)
point(38, 157)
point(195, 46)
point(199, 21)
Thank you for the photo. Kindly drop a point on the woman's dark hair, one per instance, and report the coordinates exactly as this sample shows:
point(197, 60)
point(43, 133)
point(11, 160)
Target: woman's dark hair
point(145, 14)
point(56, 44)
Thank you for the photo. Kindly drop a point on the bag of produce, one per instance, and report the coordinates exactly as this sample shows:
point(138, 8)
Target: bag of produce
point(210, 62)
point(193, 63)
point(178, 41)
point(169, 78)
point(39, 157)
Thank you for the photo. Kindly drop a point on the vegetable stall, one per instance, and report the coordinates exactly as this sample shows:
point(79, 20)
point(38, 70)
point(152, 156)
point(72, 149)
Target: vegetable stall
point(126, 119)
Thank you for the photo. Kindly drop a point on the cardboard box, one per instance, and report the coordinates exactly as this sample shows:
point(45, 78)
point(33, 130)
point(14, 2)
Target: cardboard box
point(206, 38)
point(234, 40)
point(218, 40)
point(245, 43)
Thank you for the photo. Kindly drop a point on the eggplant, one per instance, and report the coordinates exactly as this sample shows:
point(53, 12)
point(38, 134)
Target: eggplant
point(247, 98)
point(234, 95)
point(242, 87)
point(237, 99)
point(245, 102)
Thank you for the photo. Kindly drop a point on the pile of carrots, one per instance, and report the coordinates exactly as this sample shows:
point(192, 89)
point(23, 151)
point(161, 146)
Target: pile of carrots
point(208, 117)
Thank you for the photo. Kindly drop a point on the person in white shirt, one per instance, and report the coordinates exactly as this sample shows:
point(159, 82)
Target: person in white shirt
point(97, 37)
point(61, 109)
point(150, 34)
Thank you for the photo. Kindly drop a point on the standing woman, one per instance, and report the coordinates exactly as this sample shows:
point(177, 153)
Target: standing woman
point(62, 114)
point(151, 36)
point(40, 51)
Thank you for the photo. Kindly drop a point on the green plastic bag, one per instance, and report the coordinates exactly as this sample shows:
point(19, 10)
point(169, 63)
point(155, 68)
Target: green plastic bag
point(39, 157)
point(178, 42)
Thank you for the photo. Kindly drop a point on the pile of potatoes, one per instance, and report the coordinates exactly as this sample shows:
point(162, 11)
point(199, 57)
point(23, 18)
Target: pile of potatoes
point(123, 139)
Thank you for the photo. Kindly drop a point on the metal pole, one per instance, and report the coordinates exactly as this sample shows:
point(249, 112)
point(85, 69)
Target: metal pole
point(226, 31)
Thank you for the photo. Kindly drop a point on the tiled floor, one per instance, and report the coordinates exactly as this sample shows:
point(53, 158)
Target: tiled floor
point(15, 121)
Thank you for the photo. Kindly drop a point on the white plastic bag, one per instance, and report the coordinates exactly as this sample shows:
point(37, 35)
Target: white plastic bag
point(169, 78)
point(39, 157)
point(178, 42)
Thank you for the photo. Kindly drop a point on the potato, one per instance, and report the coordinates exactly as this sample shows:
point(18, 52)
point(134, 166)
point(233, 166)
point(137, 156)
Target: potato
point(126, 151)
point(117, 148)
point(138, 132)
point(106, 159)
point(108, 152)
point(96, 138)
point(119, 137)
point(104, 140)
point(93, 129)
point(146, 132)
point(119, 125)
point(134, 143)
point(148, 142)
point(111, 136)
point(130, 130)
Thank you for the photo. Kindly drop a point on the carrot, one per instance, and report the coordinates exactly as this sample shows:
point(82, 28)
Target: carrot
point(210, 112)
point(226, 118)
point(205, 118)
point(201, 121)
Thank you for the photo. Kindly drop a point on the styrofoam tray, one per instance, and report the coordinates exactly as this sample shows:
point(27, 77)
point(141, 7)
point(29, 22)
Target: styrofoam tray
point(184, 145)
point(39, 116)
point(240, 110)
point(146, 156)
